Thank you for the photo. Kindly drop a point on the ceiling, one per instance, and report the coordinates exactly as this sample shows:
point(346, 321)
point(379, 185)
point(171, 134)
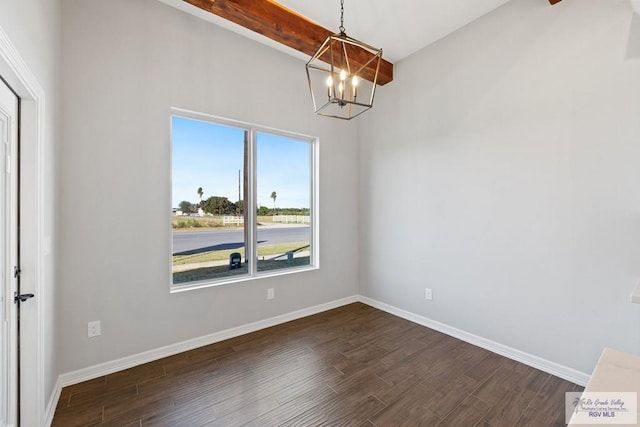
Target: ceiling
point(400, 27)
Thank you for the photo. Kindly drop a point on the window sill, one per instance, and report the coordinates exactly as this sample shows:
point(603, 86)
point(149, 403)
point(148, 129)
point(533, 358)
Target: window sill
point(234, 280)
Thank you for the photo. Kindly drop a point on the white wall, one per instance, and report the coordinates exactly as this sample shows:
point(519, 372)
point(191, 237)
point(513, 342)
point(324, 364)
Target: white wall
point(125, 63)
point(33, 27)
point(501, 169)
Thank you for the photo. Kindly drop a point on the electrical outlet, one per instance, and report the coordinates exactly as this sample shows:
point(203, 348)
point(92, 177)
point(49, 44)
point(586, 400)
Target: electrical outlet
point(428, 294)
point(271, 294)
point(94, 328)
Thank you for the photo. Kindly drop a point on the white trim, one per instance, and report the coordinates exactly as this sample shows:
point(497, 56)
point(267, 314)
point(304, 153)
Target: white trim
point(8, 222)
point(53, 403)
point(151, 355)
point(314, 220)
point(544, 365)
point(107, 368)
point(15, 71)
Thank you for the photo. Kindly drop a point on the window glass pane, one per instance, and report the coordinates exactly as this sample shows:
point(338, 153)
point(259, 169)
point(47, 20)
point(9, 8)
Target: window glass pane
point(208, 163)
point(283, 196)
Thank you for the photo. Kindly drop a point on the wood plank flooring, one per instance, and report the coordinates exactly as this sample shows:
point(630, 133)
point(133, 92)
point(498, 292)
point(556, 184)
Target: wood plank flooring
point(352, 366)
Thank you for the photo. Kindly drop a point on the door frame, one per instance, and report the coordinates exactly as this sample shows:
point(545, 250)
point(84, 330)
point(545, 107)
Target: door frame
point(33, 244)
point(10, 258)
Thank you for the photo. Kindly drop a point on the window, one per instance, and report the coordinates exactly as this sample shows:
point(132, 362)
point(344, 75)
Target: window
point(243, 200)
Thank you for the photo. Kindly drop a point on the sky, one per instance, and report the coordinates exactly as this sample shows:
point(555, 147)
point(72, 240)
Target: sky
point(209, 155)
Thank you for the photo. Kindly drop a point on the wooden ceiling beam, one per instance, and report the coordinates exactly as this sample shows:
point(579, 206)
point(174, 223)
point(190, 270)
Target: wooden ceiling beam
point(554, 1)
point(282, 25)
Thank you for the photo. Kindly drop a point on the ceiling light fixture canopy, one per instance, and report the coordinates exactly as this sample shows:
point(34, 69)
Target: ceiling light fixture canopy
point(342, 75)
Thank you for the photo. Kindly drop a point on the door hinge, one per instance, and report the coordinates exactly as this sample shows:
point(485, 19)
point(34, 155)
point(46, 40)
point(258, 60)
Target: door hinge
point(16, 272)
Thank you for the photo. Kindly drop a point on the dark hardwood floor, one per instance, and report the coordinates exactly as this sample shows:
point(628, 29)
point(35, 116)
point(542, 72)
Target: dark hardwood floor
point(352, 366)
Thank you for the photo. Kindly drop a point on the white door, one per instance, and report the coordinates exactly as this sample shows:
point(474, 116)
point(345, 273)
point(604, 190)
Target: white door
point(9, 311)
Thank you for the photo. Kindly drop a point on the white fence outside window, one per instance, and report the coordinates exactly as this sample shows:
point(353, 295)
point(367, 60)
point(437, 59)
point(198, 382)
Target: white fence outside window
point(237, 220)
point(291, 219)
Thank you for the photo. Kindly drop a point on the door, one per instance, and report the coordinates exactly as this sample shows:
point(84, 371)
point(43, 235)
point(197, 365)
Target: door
point(9, 310)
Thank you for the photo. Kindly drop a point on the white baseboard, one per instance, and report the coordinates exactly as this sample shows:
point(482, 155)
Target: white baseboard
point(544, 365)
point(53, 403)
point(106, 368)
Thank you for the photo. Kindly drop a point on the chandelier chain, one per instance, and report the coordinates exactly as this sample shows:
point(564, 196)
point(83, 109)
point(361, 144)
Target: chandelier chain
point(341, 28)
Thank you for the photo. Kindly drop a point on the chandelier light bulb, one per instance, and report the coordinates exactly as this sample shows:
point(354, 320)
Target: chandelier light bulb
point(343, 75)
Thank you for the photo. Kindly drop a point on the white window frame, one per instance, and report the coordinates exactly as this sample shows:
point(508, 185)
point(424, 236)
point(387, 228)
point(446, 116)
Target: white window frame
point(250, 222)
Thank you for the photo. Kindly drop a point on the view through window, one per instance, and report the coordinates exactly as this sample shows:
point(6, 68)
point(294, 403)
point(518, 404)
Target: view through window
point(239, 193)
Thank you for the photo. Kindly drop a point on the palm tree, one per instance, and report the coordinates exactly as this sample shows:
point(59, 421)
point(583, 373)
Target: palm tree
point(273, 196)
point(200, 193)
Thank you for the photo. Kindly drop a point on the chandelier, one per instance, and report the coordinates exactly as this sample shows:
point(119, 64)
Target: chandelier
point(342, 75)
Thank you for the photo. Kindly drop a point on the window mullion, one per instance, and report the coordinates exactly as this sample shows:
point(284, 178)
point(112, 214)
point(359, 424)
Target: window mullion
point(252, 206)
